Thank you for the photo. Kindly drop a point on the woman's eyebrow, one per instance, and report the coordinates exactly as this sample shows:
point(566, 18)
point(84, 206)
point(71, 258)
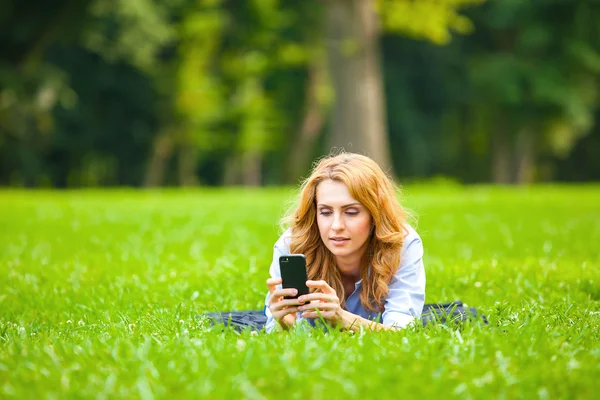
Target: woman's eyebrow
point(344, 206)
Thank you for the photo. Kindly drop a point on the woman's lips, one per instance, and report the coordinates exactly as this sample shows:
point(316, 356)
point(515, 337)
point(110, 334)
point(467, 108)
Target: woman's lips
point(339, 242)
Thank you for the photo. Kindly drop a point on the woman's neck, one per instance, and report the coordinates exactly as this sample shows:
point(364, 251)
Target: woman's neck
point(350, 272)
point(350, 269)
point(350, 266)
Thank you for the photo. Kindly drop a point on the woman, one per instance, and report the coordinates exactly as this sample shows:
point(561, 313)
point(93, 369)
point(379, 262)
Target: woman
point(364, 262)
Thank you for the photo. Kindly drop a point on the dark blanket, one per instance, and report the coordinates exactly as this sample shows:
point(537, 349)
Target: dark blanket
point(432, 313)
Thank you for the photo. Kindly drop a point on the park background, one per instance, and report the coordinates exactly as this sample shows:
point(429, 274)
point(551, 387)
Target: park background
point(214, 92)
point(487, 113)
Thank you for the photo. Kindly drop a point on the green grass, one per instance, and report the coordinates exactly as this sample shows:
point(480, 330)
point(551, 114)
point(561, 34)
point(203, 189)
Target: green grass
point(99, 291)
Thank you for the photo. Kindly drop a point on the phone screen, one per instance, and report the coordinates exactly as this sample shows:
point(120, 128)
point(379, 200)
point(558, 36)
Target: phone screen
point(293, 273)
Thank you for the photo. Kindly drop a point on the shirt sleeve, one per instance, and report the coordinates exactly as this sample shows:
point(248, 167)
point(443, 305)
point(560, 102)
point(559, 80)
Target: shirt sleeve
point(279, 249)
point(406, 294)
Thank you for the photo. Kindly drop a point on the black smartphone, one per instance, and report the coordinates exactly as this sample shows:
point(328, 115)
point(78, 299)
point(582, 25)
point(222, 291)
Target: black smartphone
point(293, 273)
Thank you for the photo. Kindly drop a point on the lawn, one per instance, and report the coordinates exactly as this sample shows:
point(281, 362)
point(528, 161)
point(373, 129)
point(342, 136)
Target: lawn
point(99, 293)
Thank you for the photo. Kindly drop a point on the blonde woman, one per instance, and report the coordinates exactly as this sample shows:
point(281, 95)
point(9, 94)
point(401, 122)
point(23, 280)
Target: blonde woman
point(364, 262)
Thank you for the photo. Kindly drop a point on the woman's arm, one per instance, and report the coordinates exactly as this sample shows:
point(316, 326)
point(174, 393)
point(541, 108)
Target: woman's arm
point(355, 323)
point(406, 294)
point(326, 305)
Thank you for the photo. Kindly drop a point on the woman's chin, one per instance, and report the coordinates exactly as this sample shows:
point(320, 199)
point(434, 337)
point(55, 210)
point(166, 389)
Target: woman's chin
point(339, 252)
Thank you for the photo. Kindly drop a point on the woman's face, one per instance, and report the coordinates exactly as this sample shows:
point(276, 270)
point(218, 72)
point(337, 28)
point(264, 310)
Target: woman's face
point(344, 223)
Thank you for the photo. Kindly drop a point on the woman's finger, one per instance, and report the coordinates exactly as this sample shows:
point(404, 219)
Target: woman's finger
point(287, 320)
point(307, 298)
point(284, 303)
point(319, 306)
point(279, 314)
point(279, 293)
point(272, 284)
point(321, 285)
point(327, 315)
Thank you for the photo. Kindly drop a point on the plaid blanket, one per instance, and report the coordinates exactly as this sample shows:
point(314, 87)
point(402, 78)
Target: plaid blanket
point(453, 312)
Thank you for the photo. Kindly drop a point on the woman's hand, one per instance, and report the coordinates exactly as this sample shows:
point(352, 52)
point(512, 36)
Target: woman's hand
point(283, 310)
point(327, 302)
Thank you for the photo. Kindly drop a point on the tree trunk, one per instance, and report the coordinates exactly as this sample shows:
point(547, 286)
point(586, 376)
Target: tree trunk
point(501, 155)
point(524, 156)
point(252, 168)
point(187, 165)
point(231, 174)
point(358, 120)
point(161, 152)
point(311, 125)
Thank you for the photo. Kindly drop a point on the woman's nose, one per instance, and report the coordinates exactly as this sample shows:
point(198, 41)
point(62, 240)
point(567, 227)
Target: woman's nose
point(337, 223)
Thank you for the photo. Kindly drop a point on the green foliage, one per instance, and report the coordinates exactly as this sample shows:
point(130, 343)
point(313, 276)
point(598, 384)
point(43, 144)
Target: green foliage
point(30, 87)
point(519, 78)
point(87, 88)
point(131, 30)
point(425, 19)
point(541, 59)
point(100, 292)
point(227, 56)
point(199, 93)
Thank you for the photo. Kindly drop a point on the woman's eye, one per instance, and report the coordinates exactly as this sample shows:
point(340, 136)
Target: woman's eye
point(352, 212)
point(325, 212)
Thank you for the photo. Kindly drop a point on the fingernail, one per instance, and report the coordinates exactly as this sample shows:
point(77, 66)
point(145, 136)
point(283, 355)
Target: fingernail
point(294, 292)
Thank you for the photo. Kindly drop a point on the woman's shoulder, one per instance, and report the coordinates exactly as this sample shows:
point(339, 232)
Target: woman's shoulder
point(283, 243)
point(412, 243)
point(411, 235)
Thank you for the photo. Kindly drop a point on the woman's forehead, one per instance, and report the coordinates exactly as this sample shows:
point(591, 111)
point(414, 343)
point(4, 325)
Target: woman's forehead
point(334, 193)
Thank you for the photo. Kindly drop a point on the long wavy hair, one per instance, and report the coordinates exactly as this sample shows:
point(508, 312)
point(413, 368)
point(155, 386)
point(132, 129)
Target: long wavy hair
point(368, 184)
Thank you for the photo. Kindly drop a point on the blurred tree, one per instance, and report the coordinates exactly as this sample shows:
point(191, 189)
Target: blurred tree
point(302, 60)
point(220, 100)
point(30, 87)
point(211, 91)
point(145, 35)
point(104, 137)
point(352, 42)
point(197, 98)
point(534, 68)
point(227, 100)
point(583, 163)
point(58, 140)
point(317, 98)
point(249, 56)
